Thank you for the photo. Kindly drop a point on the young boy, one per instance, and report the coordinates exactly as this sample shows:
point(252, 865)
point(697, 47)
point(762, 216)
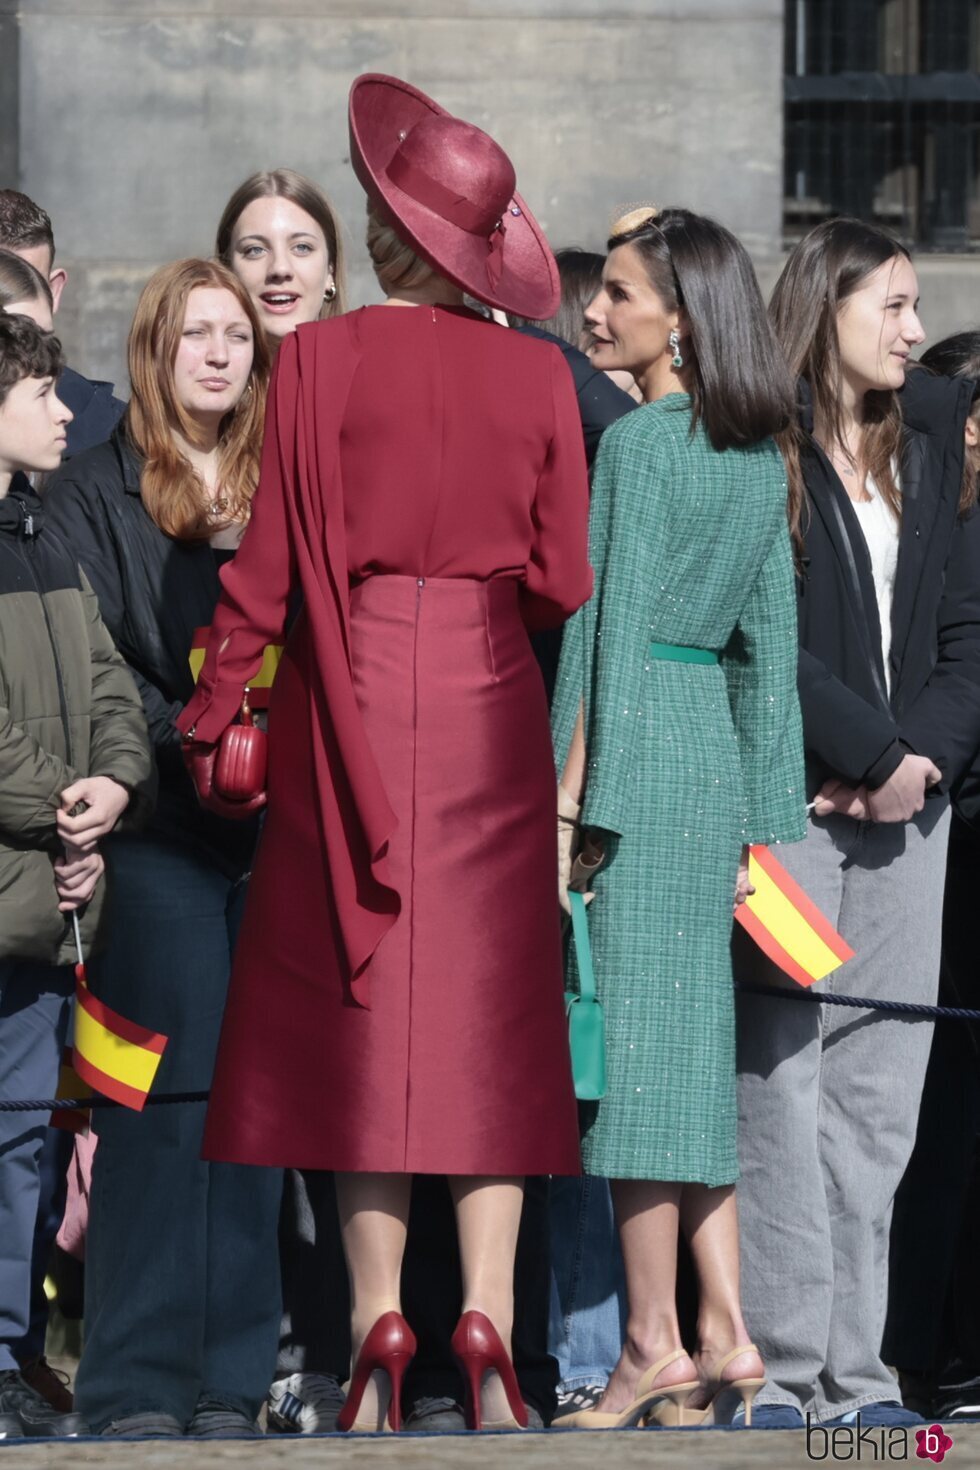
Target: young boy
point(74, 754)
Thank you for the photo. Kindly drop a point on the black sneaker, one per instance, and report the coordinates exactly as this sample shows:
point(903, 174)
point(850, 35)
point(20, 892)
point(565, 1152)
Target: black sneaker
point(216, 1418)
point(435, 1416)
point(572, 1400)
point(10, 1427)
point(144, 1424)
point(34, 1414)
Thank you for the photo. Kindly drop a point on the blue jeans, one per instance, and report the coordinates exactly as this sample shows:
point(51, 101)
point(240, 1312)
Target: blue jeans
point(588, 1298)
point(35, 1002)
point(182, 1276)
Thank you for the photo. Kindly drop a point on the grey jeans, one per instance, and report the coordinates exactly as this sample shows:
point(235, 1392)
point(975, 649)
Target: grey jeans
point(828, 1105)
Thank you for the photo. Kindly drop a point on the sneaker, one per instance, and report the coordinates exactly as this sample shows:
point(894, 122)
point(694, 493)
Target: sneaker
point(572, 1400)
point(769, 1416)
point(49, 1383)
point(10, 1427)
point(305, 1403)
point(216, 1418)
point(435, 1416)
point(33, 1412)
point(885, 1415)
point(148, 1424)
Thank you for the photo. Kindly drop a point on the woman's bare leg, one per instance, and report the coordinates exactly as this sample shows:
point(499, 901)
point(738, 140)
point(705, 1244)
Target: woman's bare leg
point(488, 1217)
point(709, 1219)
point(647, 1214)
point(373, 1224)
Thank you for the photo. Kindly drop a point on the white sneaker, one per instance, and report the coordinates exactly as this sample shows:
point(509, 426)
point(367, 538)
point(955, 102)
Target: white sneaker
point(305, 1403)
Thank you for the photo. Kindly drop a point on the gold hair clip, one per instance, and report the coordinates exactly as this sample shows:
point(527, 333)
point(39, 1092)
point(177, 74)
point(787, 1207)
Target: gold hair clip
point(634, 216)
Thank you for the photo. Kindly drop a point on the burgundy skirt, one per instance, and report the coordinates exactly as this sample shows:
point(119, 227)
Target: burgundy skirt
point(460, 1065)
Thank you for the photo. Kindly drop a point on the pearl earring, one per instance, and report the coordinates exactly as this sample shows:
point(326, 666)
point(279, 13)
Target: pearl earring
point(675, 343)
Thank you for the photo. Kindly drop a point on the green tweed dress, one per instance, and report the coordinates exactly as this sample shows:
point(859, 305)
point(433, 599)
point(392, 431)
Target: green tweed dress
point(685, 763)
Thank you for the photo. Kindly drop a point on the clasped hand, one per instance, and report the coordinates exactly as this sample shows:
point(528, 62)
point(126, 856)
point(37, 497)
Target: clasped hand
point(897, 800)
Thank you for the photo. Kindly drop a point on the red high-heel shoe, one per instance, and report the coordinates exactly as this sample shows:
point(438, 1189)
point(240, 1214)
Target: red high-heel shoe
point(388, 1348)
point(478, 1350)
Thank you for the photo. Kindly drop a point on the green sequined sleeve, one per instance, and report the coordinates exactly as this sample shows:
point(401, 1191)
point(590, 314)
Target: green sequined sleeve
point(760, 666)
point(605, 644)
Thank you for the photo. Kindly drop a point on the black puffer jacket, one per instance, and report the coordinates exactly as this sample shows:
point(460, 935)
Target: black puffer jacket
point(68, 709)
point(851, 728)
point(154, 592)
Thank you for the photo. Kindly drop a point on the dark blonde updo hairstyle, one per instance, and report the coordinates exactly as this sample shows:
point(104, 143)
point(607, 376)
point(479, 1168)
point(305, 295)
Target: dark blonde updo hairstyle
point(396, 264)
point(286, 183)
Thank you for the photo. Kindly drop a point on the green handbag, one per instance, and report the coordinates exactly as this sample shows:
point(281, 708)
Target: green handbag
point(586, 1024)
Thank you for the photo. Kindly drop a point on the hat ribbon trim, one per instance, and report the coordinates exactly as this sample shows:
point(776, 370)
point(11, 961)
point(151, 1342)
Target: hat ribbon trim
point(451, 207)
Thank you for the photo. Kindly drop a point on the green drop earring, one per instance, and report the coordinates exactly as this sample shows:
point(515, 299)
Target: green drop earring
point(674, 341)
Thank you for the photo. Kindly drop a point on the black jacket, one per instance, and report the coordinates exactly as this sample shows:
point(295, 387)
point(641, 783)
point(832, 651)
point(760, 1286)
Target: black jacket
point(153, 592)
point(851, 728)
point(96, 411)
point(600, 402)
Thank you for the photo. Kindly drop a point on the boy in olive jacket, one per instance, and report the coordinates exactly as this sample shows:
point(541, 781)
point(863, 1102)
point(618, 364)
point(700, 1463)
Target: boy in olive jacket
point(74, 755)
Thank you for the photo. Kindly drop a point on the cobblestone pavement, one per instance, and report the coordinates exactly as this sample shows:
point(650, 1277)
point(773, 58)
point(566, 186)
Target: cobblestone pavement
point(627, 1450)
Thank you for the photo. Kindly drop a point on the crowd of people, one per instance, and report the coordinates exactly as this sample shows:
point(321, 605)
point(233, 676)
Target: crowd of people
point(736, 551)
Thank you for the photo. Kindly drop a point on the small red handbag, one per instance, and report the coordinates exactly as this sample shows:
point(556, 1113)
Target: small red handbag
point(230, 777)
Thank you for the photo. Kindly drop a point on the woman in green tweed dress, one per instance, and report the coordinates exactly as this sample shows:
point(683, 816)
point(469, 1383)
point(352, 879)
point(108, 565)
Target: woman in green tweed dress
point(676, 706)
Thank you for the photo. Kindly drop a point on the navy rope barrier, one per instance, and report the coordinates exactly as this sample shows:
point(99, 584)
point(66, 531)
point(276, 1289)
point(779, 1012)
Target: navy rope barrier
point(857, 1002)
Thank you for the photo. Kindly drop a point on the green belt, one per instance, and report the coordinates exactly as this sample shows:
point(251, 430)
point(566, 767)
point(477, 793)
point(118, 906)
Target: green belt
point(676, 653)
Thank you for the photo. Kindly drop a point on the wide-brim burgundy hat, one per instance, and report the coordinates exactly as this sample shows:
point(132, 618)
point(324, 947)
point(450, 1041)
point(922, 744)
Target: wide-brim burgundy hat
point(449, 188)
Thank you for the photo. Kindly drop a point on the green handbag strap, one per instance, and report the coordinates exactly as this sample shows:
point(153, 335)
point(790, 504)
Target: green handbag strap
point(583, 949)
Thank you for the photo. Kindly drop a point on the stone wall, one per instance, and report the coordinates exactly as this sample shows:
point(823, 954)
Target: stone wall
point(132, 120)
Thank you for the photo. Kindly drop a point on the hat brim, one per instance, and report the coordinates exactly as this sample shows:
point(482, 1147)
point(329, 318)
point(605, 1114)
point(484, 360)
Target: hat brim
point(382, 109)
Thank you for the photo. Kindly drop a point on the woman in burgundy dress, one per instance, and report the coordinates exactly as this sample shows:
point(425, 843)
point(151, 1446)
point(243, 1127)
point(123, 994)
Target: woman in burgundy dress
point(396, 1000)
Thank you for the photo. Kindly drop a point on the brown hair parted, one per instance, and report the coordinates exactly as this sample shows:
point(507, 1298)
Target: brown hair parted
point(26, 352)
point(580, 274)
point(959, 357)
point(286, 183)
point(396, 264)
point(19, 281)
point(826, 267)
point(171, 489)
point(740, 388)
point(23, 224)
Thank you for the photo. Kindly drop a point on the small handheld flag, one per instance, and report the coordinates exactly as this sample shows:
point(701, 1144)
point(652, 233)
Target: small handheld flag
point(115, 1056)
point(72, 1120)
point(786, 925)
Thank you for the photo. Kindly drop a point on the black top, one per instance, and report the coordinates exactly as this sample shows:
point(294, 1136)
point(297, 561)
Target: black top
point(96, 411)
point(600, 404)
point(153, 592)
point(851, 728)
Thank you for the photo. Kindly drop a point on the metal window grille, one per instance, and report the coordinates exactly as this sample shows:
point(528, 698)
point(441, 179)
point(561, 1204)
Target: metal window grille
point(882, 118)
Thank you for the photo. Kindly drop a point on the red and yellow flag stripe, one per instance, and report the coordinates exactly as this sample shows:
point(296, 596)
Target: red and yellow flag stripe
point(787, 926)
point(115, 1056)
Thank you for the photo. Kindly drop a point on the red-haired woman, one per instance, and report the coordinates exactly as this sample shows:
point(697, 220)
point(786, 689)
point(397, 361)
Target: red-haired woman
point(181, 1291)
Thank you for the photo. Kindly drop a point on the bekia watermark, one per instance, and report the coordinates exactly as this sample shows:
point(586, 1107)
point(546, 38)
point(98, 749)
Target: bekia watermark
point(874, 1442)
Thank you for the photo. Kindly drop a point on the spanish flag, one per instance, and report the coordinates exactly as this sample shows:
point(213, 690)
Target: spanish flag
point(114, 1056)
point(259, 686)
point(72, 1120)
point(786, 925)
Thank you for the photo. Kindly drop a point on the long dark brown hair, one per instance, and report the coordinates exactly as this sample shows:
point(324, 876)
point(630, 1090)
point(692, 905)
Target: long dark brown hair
point(740, 387)
point(959, 357)
point(827, 266)
point(286, 183)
